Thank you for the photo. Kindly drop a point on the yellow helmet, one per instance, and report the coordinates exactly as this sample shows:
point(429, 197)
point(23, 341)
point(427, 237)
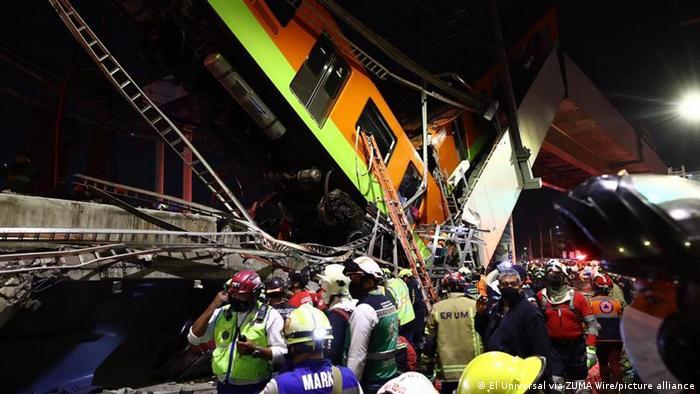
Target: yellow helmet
point(307, 324)
point(405, 272)
point(500, 373)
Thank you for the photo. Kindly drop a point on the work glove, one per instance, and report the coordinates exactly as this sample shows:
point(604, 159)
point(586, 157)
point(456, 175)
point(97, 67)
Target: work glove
point(591, 358)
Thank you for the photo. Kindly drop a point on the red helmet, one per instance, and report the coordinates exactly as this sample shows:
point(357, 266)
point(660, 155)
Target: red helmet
point(454, 281)
point(245, 282)
point(602, 282)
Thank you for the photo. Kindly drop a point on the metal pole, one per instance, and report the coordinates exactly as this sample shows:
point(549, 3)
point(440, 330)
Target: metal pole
point(186, 169)
point(551, 242)
point(529, 246)
point(57, 129)
point(160, 167)
point(541, 243)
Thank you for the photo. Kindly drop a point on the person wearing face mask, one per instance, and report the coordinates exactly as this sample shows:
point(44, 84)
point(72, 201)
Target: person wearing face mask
point(247, 334)
point(371, 343)
point(451, 339)
point(514, 325)
point(571, 324)
point(336, 294)
point(648, 227)
point(608, 311)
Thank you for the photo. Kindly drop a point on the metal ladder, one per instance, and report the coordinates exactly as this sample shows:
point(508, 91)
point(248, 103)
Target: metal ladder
point(398, 217)
point(148, 110)
point(448, 197)
point(146, 196)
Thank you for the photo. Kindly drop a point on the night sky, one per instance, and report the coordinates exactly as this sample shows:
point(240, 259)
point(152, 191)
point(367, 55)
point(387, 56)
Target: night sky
point(641, 55)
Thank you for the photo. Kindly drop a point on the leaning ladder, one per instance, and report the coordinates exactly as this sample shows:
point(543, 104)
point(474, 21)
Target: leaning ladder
point(398, 217)
point(148, 110)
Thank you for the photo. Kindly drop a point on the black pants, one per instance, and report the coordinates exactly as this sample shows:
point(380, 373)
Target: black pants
point(223, 388)
point(569, 359)
point(448, 387)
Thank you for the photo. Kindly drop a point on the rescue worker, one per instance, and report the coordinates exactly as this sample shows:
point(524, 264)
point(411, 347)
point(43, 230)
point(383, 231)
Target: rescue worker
point(470, 289)
point(501, 373)
point(398, 293)
point(415, 293)
point(297, 287)
point(247, 334)
point(607, 311)
point(514, 325)
point(274, 295)
point(374, 327)
point(308, 334)
point(537, 277)
point(336, 295)
point(451, 339)
point(647, 227)
point(567, 312)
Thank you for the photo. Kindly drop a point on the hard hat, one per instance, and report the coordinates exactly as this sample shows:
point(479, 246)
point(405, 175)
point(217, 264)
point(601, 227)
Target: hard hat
point(408, 383)
point(364, 265)
point(244, 282)
point(333, 281)
point(538, 273)
point(498, 372)
point(405, 272)
point(387, 273)
point(307, 324)
point(274, 284)
point(556, 266)
point(453, 281)
point(602, 282)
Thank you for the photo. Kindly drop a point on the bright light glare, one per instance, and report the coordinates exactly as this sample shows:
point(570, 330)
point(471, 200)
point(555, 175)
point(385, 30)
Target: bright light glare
point(689, 107)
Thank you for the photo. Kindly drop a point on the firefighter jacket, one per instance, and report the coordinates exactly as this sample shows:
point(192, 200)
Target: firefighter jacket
point(451, 337)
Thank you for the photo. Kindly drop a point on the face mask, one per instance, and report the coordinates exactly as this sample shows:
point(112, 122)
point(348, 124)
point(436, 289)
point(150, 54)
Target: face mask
point(639, 333)
point(240, 306)
point(554, 281)
point(510, 295)
point(356, 290)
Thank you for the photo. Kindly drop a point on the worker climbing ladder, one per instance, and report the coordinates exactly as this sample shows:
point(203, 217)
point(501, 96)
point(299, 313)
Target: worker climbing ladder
point(148, 110)
point(398, 217)
point(449, 198)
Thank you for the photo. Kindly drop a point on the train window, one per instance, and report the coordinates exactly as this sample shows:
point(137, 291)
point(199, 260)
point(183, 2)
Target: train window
point(409, 185)
point(320, 79)
point(283, 10)
point(372, 121)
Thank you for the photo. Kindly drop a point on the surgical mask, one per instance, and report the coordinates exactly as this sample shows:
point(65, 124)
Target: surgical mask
point(510, 295)
point(240, 306)
point(639, 333)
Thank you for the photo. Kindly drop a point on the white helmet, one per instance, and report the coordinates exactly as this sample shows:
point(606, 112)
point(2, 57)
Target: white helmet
point(334, 282)
point(369, 266)
point(408, 383)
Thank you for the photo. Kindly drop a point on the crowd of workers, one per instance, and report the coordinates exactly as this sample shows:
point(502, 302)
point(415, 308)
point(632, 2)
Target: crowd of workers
point(557, 323)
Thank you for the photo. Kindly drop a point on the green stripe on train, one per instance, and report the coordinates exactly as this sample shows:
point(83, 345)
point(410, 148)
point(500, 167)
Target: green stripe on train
point(243, 24)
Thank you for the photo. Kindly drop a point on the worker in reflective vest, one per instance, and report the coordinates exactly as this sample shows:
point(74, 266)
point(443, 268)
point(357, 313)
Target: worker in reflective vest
point(451, 339)
point(247, 334)
point(607, 311)
point(398, 294)
point(374, 327)
point(309, 334)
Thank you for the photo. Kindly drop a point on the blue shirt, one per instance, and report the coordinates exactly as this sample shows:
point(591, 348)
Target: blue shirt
point(315, 376)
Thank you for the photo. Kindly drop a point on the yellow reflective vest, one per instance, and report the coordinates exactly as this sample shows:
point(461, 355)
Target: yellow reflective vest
point(404, 307)
point(243, 369)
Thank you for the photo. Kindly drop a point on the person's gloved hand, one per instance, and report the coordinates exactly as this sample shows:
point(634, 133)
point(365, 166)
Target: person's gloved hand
point(591, 358)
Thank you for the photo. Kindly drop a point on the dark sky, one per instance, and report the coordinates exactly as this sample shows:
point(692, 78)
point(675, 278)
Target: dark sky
point(641, 55)
point(642, 59)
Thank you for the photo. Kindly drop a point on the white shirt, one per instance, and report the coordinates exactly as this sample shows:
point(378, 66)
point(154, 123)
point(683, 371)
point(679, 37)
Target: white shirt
point(362, 322)
point(273, 326)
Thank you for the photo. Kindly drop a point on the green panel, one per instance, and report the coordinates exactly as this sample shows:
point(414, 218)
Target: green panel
point(243, 24)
